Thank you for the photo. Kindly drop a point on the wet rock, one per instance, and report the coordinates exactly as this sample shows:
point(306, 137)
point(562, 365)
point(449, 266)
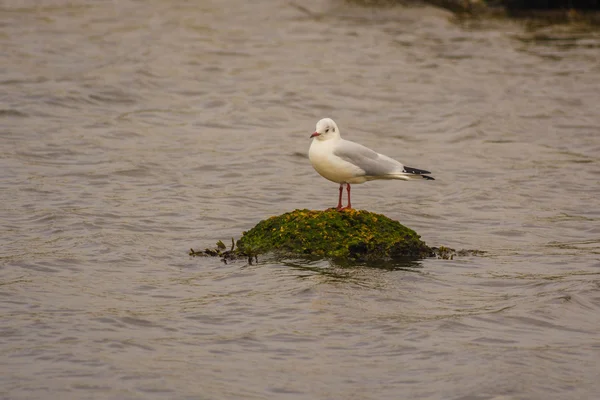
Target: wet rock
point(548, 11)
point(350, 234)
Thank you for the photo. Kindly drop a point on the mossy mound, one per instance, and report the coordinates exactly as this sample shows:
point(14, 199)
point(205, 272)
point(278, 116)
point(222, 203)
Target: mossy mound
point(351, 234)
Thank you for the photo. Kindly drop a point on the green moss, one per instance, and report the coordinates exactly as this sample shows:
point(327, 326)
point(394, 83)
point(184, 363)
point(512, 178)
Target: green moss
point(345, 237)
point(351, 234)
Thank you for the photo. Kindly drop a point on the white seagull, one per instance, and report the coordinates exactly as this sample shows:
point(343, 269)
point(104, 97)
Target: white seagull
point(346, 162)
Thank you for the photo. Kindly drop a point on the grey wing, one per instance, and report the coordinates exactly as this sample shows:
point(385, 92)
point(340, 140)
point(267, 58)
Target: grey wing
point(373, 163)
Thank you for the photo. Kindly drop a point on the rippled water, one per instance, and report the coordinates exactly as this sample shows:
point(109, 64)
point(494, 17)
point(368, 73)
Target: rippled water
point(131, 131)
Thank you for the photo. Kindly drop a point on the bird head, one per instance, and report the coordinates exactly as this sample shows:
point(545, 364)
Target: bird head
point(326, 129)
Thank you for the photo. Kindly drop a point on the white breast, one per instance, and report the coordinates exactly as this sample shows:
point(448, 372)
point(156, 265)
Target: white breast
point(330, 166)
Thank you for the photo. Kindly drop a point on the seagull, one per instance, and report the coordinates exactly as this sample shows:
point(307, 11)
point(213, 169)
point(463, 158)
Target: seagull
point(345, 162)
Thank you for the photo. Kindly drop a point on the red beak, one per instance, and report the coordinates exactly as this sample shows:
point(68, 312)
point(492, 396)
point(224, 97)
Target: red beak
point(315, 134)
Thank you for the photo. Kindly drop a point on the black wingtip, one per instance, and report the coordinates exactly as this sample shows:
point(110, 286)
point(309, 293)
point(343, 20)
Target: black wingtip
point(421, 172)
point(416, 171)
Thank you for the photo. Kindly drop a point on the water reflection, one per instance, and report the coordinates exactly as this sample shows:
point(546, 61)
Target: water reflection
point(341, 268)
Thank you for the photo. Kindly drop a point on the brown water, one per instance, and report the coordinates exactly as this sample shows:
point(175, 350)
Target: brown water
point(131, 131)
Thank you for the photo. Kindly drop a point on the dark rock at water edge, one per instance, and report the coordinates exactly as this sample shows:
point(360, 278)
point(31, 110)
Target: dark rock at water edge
point(552, 4)
point(456, 5)
point(552, 11)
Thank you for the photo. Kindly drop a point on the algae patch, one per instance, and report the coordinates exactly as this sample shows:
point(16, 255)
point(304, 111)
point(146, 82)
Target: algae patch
point(351, 234)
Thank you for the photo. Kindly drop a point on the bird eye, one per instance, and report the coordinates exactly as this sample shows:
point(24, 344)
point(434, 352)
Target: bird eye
point(326, 130)
point(333, 129)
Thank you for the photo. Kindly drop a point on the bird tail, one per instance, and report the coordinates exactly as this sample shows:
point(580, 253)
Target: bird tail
point(410, 174)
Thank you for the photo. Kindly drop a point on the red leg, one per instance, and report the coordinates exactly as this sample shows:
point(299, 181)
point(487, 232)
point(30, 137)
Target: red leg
point(349, 206)
point(348, 189)
point(339, 206)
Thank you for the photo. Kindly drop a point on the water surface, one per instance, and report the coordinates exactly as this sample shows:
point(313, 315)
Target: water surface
point(131, 131)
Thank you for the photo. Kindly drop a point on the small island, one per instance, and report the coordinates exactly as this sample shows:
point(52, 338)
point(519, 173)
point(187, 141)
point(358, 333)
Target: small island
point(354, 235)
